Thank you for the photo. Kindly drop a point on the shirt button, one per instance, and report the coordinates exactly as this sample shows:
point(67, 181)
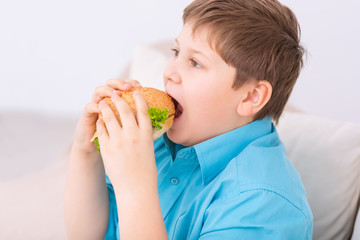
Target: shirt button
point(174, 181)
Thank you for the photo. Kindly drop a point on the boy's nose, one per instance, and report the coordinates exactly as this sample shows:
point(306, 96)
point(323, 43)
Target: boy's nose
point(171, 73)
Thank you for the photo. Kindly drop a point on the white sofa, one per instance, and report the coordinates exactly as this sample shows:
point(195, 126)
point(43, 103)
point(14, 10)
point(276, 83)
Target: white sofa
point(34, 149)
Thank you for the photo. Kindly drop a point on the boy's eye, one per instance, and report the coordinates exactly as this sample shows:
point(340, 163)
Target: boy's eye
point(176, 52)
point(194, 63)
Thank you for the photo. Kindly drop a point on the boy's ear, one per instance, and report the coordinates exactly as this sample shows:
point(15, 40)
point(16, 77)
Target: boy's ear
point(254, 96)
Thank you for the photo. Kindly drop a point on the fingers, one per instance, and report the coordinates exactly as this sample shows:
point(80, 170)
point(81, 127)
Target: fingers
point(101, 92)
point(142, 111)
point(90, 112)
point(111, 123)
point(97, 105)
point(112, 86)
point(124, 85)
point(126, 115)
point(91, 108)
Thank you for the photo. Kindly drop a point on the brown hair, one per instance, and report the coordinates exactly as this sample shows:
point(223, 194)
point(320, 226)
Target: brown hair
point(260, 38)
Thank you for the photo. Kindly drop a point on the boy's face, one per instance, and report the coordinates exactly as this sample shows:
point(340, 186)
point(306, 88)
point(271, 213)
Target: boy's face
point(201, 82)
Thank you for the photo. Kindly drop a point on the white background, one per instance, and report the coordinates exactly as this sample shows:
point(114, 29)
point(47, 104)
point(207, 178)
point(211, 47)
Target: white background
point(53, 53)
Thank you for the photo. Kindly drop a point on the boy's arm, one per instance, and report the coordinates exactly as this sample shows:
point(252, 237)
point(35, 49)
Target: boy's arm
point(129, 160)
point(140, 215)
point(86, 204)
point(86, 199)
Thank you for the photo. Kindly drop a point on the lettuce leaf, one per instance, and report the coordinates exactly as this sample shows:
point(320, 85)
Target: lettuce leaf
point(96, 141)
point(158, 118)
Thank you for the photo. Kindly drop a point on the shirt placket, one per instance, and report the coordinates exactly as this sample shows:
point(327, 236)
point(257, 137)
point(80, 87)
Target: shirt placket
point(176, 179)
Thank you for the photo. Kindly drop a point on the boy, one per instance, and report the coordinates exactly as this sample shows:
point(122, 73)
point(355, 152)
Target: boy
point(220, 172)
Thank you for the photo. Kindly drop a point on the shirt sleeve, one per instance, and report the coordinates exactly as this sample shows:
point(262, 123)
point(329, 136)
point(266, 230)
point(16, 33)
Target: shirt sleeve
point(256, 214)
point(112, 232)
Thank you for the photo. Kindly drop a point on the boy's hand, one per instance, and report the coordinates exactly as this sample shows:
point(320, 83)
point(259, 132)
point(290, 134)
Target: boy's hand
point(87, 123)
point(127, 148)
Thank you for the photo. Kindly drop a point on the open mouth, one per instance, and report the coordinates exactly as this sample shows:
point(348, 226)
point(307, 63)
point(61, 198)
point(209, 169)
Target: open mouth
point(178, 108)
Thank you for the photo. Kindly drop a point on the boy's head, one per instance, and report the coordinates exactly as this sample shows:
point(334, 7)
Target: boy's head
point(234, 62)
point(260, 38)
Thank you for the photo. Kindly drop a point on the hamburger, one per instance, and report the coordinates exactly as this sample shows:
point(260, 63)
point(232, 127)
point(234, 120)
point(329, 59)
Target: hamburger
point(161, 109)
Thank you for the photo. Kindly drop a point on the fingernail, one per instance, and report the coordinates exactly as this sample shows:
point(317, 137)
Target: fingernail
point(116, 92)
point(103, 102)
point(136, 92)
point(138, 85)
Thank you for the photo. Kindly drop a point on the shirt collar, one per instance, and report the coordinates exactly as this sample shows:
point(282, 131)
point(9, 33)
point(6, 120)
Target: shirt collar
point(214, 154)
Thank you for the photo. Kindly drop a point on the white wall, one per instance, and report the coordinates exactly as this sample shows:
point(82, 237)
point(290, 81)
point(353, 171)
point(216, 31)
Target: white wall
point(53, 53)
point(330, 82)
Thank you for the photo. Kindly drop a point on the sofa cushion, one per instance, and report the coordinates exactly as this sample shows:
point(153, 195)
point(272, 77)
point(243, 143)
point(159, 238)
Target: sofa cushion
point(326, 153)
point(34, 152)
point(356, 232)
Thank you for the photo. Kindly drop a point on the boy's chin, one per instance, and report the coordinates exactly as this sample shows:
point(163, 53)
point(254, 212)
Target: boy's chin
point(171, 134)
point(183, 140)
point(175, 137)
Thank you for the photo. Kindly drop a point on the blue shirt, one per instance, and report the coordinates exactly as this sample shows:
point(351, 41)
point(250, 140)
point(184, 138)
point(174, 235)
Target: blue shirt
point(238, 185)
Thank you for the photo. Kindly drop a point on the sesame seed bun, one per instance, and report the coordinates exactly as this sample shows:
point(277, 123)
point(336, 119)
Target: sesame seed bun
point(154, 98)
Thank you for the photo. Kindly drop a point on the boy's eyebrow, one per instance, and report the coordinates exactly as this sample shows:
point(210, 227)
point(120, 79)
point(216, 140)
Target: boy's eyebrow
point(194, 50)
